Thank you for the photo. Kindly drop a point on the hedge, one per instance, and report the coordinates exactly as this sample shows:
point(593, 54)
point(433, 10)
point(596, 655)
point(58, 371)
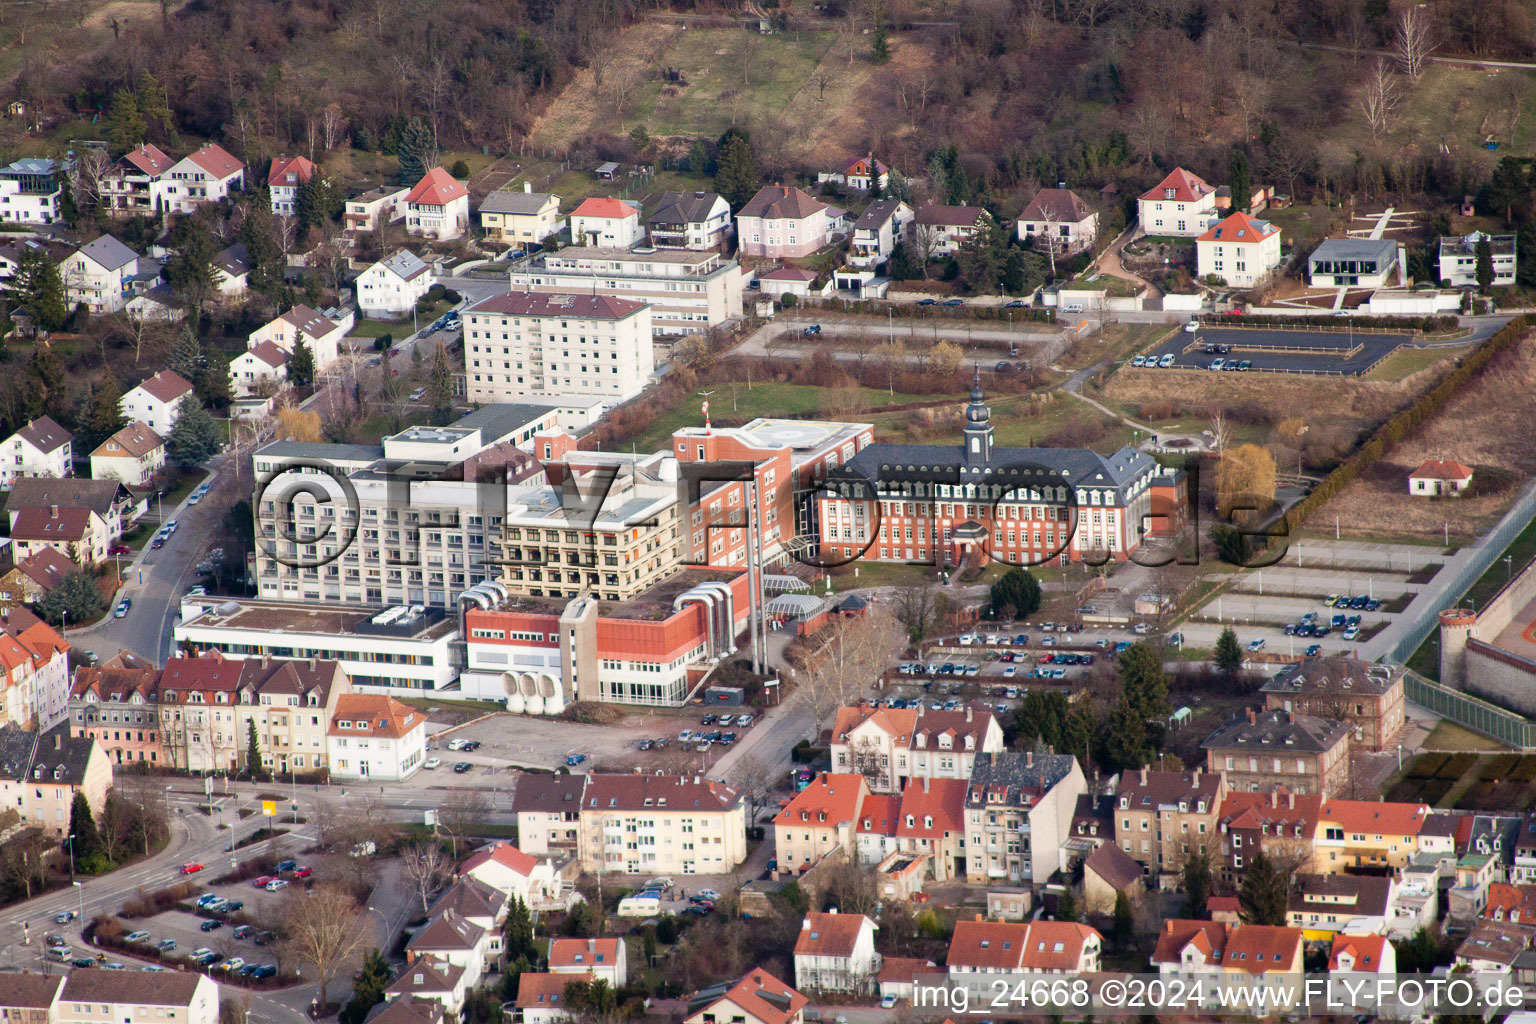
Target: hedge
point(1427, 324)
point(1402, 424)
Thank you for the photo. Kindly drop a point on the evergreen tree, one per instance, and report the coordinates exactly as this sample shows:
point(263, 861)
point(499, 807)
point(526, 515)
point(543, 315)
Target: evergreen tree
point(190, 270)
point(880, 46)
point(1240, 179)
point(417, 151)
point(103, 413)
point(1144, 684)
point(1197, 880)
point(737, 177)
point(69, 210)
point(252, 750)
point(389, 388)
point(518, 941)
point(75, 599)
point(318, 202)
point(981, 259)
point(1126, 742)
point(39, 288)
point(258, 233)
point(47, 388)
point(440, 386)
point(1124, 925)
point(368, 986)
point(301, 363)
point(1510, 190)
point(1066, 905)
point(1016, 589)
point(1264, 893)
point(698, 158)
point(212, 380)
point(186, 355)
point(194, 439)
point(1228, 655)
point(151, 100)
point(89, 857)
point(1484, 253)
point(124, 122)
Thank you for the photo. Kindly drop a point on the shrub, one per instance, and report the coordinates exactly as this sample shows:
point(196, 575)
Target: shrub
point(460, 169)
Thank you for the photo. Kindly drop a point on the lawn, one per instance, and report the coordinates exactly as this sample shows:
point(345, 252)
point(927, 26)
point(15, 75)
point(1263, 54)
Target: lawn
point(1406, 362)
point(1450, 736)
point(1115, 341)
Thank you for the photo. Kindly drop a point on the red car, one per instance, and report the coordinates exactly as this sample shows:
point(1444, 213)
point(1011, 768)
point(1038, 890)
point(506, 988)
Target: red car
point(191, 868)
point(261, 883)
point(303, 872)
point(119, 549)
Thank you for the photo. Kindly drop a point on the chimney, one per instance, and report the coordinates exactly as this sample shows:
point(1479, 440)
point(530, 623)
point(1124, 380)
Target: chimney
point(1252, 718)
point(1167, 925)
point(58, 741)
point(969, 713)
point(831, 910)
point(1029, 759)
point(1290, 800)
point(925, 783)
point(1143, 775)
point(1274, 798)
point(53, 511)
point(592, 946)
point(527, 187)
point(805, 923)
point(979, 919)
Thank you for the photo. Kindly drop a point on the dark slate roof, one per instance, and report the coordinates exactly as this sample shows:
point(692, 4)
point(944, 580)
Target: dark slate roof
point(1276, 731)
point(74, 492)
point(684, 207)
point(1334, 673)
point(1324, 893)
point(876, 214)
point(551, 793)
point(61, 757)
point(1022, 467)
point(234, 261)
point(109, 253)
point(1018, 775)
point(525, 203)
point(1114, 865)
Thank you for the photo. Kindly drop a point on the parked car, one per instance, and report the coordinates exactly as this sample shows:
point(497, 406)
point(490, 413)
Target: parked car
point(432, 763)
point(303, 871)
point(575, 759)
point(464, 766)
point(165, 945)
point(210, 925)
point(121, 611)
point(954, 302)
point(1256, 644)
point(685, 736)
point(275, 884)
point(119, 549)
point(1139, 361)
point(261, 883)
point(138, 936)
point(811, 329)
point(157, 543)
point(1313, 650)
point(708, 720)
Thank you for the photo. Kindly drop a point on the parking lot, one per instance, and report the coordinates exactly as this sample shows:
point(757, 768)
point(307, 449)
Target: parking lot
point(1341, 351)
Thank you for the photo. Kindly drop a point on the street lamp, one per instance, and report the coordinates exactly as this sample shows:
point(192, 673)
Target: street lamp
point(376, 910)
point(80, 887)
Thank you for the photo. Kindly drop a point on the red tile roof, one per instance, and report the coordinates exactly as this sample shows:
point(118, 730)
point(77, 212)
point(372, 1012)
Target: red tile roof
point(1239, 228)
point(167, 386)
point(149, 159)
point(611, 209)
point(1508, 902)
point(1209, 938)
point(930, 808)
point(373, 714)
point(951, 216)
point(1056, 945)
point(1375, 817)
point(214, 159)
point(1281, 812)
point(133, 441)
point(979, 945)
point(1187, 188)
point(879, 814)
point(206, 673)
point(830, 934)
point(904, 968)
point(1061, 205)
point(583, 952)
point(1436, 469)
point(436, 188)
point(766, 997)
point(505, 854)
point(630, 792)
point(1366, 949)
point(290, 171)
point(1263, 949)
point(544, 991)
point(830, 800)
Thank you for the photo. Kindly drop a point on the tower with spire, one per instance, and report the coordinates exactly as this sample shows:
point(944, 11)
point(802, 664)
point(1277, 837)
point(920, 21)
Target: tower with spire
point(978, 426)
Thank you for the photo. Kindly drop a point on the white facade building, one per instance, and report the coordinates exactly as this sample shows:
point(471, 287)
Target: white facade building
point(687, 291)
point(209, 175)
point(531, 345)
point(376, 738)
point(1181, 205)
point(836, 953)
point(157, 401)
point(30, 191)
point(320, 333)
point(437, 207)
point(392, 287)
point(98, 274)
point(1239, 250)
point(41, 448)
point(610, 223)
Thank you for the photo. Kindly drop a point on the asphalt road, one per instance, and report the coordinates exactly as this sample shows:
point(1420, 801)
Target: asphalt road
point(1327, 350)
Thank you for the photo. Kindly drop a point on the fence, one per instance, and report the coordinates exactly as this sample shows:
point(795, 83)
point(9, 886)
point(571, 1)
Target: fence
point(1470, 712)
point(1486, 552)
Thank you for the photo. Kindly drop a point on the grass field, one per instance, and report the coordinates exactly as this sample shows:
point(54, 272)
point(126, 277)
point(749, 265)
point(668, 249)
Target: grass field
point(1115, 341)
point(1407, 361)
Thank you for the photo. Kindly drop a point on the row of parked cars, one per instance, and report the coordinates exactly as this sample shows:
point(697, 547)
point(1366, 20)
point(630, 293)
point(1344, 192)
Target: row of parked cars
point(1152, 362)
point(1311, 626)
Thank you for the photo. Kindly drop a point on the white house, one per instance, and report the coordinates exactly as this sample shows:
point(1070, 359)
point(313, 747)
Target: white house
point(1060, 218)
point(610, 223)
point(430, 979)
point(135, 184)
point(375, 208)
point(207, 176)
point(438, 206)
point(940, 229)
point(392, 287)
point(98, 274)
point(758, 998)
point(1440, 477)
point(836, 953)
point(232, 271)
point(541, 996)
point(1180, 205)
point(601, 958)
point(451, 938)
point(133, 455)
point(41, 448)
point(375, 738)
point(1239, 250)
point(512, 872)
point(1362, 954)
point(259, 370)
point(690, 220)
point(284, 177)
point(93, 996)
point(890, 745)
point(880, 228)
point(1458, 259)
point(320, 333)
point(860, 173)
point(1353, 262)
point(30, 191)
point(156, 401)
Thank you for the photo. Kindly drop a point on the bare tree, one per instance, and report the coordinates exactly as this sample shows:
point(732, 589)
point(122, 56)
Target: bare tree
point(1379, 98)
point(891, 358)
point(426, 865)
point(754, 778)
point(915, 609)
point(1221, 431)
point(1412, 41)
point(929, 240)
point(463, 813)
point(324, 928)
point(854, 654)
point(333, 125)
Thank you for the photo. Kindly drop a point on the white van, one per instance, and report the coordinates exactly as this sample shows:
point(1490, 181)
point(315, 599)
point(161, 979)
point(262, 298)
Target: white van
point(639, 906)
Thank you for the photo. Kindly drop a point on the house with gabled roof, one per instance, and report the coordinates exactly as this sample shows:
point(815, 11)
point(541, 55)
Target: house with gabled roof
point(408, 1011)
point(695, 825)
point(40, 448)
point(1240, 250)
point(541, 996)
point(157, 401)
point(138, 997)
point(391, 287)
point(523, 218)
point(30, 579)
point(690, 220)
point(836, 953)
point(1108, 872)
point(117, 705)
point(757, 998)
point(607, 959)
point(430, 978)
point(262, 370)
point(40, 773)
point(478, 902)
point(447, 936)
point(99, 275)
point(821, 819)
point(1189, 948)
point(131, 456)
point(548, 809)
point(1004, 947)
point(285, 176)
point(1440, 477)
point(78, 534)
point(134, 185)
point(1325, 905)
point(511, 872)
point(108, 500)
point(1060, 220)
point(376, 208)
point(1013, 792)
point(232, 270)
point(322, 334)
point(1181, 205)
point(861, 174)
point(782, 222)
point(1362, 954)
point(1366, 834)
point(891, 745)
point(931, 822)
point(882, 226)
point(939, 229)
point(606, 222)
point(374, 737)
point(209, 175)
point(437, 206)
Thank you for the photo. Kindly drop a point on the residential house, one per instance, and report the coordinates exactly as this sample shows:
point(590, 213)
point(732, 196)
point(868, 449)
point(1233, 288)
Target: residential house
point(758, 998)
point(430, 979)
point(781, 222)
point(28, 998)
point(1161, 817)
point(1458, 260)
point(320, 333)
point(836, 953)
point(157, 401)
point(822, 818)
point(511, 872)
point(34, 694)
point(1189, 949)
point(681, 825)
point(1354, 263)
point(523, 218)
point(392, 287)
point(40, 774)
point(12, 253)
point(408, 1011)
point(1181, 205)
point(1060, 221)
point(794, 281)
point(78, 534)
point(862, 174)
point(375, 208)
point(451, 938)
point(604, 959)
point(541, 996)
point(199, 726)
point(1366, 833)
point(1522, 869)
point(1262, 750)
point(875, 833)
point(548, 809)
point(1279, 823)
point(41, 448)
point(609, 223)
point(98, 275)
point(1322, 906)
point(374, 737)
point(232, 271)
point(1362, 954)
point(262, 370)
point(132, 456)
point(1239, 250)
point(1366, 695)
point(1008, 947)
point(882, 226)
point(1019, 810)
point(1266, 955)
point(1506, 902)
point(939, 230)
point(118, 707)
point(690, 220)
point(1492, 947)
point(931, 822)
point(105, 499)
point(1440, 478)
point(888, 746)
point(1466, 899)
point(136, 183)
point(285, 176)
point(293, 704)
point(478, 903)
point(898, 975)
point(30, 579)
point(209, 175)
point(30, 190)
point(437, 206)
point(1107, 872)
point(93, 996)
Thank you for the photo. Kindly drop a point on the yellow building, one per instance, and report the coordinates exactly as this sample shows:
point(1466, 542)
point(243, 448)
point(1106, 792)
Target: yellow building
point(520, 218)
point(661, 825)
point(822, 818)
point(1366, 833)
point(41, 773)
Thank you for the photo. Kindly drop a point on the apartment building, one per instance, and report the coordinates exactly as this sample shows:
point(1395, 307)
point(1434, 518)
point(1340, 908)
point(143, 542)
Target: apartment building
point(157, 401)
point(821, 818)
point(1280, 823)
point(118, 705)
point(40, 448)
point(28, 998)
point(1180, 205)
point(1457, 259)
point(410, 521)
point(132, 456)
point(548, 809)
point(836, 953)
point(1238, 249)
point(99, 275)
point(690, 220)
point(687, 291)
point(133, 185)
point(1366, 833)
point(882, 226)
point(391, 288)
point(534, 345)
point(1161, 817)
point(209, 175)
point(1260, 751)
point(940, 230)
point(375, 208)
point(320, 333)
point(30, 190)
point(40, 773)
point(890, 746)
point(1062, 222)
point(783, 222)
point(374, 737)
point(92, 996)
point(1366, 695)
point(34, 661)
point(1018, 812)
point(661, 825)
point(1008, 947)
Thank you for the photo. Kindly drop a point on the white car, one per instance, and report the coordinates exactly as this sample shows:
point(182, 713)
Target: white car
point(685, 736)
point(455, 744)
point(726, 720)
point(1166, 361)
point(967, 640)
point(276, 884)
point(432, 762)
point(1192, 327)
point(1256, 645)
point(742, 721)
